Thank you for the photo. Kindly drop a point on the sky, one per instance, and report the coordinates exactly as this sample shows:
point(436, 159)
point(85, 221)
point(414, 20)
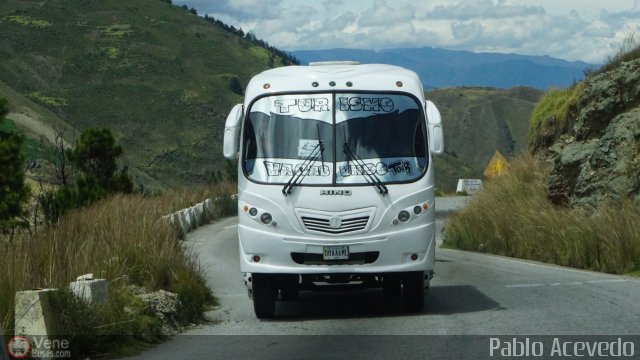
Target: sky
point(587, 30)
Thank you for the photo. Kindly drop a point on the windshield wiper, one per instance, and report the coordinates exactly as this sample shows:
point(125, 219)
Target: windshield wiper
point(370, 177)
point(297, 177)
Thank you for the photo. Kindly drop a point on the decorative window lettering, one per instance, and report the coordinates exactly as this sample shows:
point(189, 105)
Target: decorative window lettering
point(380, 169)
point(303, 105)
point(286, 169)
point(400, 166)
point(366, 104)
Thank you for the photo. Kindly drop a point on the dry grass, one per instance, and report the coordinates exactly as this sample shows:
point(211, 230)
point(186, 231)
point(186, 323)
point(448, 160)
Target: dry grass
point(120, 239)
point(513, 217)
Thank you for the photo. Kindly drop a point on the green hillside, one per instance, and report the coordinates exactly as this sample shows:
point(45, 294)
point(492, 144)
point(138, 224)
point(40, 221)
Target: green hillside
point(162, 78)
point(477, 122)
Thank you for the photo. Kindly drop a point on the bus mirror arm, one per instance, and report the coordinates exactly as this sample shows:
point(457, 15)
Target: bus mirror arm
point(434, 128)
point(231, 144)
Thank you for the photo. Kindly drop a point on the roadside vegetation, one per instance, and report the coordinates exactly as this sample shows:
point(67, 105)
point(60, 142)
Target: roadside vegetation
point(87, 218)
point(552, 116)
point(122, 239)
point(512, 216)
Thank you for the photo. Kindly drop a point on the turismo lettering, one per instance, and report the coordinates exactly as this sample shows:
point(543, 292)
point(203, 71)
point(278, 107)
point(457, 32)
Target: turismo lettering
point(366, 104)
point(303, 105)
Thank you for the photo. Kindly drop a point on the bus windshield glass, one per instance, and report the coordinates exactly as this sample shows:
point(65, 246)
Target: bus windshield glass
point(335, 138)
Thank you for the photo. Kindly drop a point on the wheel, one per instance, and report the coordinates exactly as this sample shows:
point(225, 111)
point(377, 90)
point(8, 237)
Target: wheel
point(264, 295)
point(289, 285)
point(413, 291)
point(391, 287)
point(289, 293)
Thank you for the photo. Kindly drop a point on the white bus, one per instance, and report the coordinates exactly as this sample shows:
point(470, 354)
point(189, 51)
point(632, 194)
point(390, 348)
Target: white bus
point(335, 181)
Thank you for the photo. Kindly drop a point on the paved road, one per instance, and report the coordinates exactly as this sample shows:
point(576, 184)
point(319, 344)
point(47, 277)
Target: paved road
point(471, 294)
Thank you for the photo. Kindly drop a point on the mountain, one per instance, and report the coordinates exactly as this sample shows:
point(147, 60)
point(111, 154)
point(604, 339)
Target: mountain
point(477, 122)
point(444, 68)
point(160, 77)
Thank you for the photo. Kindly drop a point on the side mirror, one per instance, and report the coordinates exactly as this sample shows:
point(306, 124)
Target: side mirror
point(232, 132)
point(434, 128)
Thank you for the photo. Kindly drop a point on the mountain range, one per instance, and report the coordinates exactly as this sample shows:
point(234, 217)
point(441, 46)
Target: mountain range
point(443, 68)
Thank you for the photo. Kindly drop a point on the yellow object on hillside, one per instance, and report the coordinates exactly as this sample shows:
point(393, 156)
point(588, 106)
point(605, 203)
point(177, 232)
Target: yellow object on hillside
point(498, 165)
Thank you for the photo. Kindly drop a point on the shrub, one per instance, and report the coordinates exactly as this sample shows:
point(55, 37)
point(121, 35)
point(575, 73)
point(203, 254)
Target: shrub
point(13, 191)
point(511, 216)
point(122, 239)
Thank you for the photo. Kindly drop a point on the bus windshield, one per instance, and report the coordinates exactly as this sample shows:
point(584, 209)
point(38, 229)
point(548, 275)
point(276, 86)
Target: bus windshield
point(363, 135)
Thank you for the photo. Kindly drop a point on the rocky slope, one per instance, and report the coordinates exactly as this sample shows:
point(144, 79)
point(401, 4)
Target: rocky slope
point(598, 158)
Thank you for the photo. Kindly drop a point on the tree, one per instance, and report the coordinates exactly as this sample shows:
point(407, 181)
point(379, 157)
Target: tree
point(13, 190)
point(95, 156)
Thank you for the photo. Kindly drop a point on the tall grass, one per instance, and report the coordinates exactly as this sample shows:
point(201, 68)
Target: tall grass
point(629, 50)
point(513, 217)
point(121, 239)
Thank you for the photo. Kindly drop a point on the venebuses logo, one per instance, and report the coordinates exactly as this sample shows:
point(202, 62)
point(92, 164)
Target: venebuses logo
point(19, 347)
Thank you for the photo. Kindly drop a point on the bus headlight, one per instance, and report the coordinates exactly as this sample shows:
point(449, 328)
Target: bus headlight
point(404, 216)
point(266, 218)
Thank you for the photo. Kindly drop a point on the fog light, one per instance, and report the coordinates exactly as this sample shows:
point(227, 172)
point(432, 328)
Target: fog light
point(414, 257)
point(256, 258)
point(417, 210)
point(253, 211)
point(266, 218)
point(395, 221)
point(404, 216)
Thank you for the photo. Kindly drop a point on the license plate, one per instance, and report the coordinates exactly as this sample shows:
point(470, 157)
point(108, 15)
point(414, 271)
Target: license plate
point(335, 253)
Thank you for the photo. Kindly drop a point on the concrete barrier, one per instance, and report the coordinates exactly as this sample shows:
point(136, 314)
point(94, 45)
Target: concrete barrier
point(194, 217)
point(200, 214)
point(33, 312)
point(186, 220)
point(93, 291)
point(34, 318)
point(209, 208)
point(191, 218)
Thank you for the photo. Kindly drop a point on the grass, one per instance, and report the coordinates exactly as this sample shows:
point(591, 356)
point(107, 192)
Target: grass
point(551, 117)
point(28, 21)
point(629, 50)
point(48, 100)
point(511, 216)
point(123, 240)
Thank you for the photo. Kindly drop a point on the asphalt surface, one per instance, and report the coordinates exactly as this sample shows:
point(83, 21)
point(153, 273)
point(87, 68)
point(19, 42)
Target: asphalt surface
point(472, 297)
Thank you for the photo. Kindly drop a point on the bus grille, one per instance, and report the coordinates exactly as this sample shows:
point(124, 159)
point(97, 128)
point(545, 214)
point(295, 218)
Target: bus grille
point(344, 225)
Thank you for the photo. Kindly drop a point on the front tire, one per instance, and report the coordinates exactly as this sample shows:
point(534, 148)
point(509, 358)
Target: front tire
point(413, 291)
point(391, 286)
point(264, 295)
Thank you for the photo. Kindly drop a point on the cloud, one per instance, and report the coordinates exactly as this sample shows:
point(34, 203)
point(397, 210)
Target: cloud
point(241, 9)
point(483, 9)
point(519, 26)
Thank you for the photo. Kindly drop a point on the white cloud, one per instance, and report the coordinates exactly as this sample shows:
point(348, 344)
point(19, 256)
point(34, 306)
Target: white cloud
point(587, 30)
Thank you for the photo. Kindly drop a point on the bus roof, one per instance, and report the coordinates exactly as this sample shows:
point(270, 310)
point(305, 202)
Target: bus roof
point(335, 76)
